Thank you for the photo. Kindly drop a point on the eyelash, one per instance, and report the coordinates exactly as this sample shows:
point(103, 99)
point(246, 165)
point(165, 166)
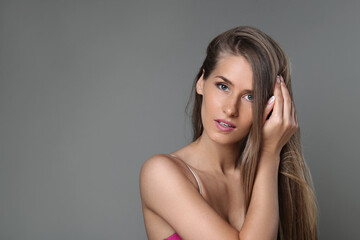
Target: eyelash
point(222, 84)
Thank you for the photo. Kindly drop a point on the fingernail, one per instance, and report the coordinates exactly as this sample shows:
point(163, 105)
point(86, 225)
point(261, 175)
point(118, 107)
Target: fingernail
point(282, 79)
point(271, 99)
point(278, 79)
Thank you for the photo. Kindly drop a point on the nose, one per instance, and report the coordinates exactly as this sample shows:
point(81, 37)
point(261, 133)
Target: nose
point(231, 107)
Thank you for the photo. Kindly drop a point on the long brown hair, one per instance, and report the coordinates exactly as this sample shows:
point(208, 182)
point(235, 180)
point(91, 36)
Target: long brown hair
point(297, 202)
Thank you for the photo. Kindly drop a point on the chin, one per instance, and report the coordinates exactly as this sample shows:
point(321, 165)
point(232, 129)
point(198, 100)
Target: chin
point(225, 139)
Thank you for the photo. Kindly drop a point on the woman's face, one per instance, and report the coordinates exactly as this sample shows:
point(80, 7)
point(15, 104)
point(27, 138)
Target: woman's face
point(226, 109)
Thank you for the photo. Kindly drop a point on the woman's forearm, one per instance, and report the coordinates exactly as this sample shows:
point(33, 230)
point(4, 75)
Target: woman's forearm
point(262, 218)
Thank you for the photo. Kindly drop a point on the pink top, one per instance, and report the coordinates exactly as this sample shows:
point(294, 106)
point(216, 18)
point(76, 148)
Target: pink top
point(175, 236)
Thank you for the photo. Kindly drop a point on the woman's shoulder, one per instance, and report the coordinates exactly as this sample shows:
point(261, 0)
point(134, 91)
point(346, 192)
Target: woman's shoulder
point(159, 172)
point(159, 163)
point(167, 192)
point(163, 166)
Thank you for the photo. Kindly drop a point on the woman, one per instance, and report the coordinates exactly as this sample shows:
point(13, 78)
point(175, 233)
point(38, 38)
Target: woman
point(244, 175)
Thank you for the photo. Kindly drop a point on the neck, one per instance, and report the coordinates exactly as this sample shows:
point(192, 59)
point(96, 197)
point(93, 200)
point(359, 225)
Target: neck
point(220, 158)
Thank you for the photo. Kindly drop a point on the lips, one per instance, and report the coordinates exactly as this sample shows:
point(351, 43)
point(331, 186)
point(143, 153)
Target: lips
point(225, 123)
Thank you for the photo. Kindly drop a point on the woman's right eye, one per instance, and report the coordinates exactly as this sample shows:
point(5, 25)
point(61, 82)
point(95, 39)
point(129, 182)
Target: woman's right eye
point(222, 86)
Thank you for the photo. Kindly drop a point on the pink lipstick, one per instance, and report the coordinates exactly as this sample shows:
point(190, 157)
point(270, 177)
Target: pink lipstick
point(224, 125)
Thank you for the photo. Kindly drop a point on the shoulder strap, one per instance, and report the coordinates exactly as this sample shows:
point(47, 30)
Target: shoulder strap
point(192, 171)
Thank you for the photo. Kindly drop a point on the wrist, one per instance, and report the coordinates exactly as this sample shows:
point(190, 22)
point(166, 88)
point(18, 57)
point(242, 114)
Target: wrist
point(271, 153)
point(270, 158)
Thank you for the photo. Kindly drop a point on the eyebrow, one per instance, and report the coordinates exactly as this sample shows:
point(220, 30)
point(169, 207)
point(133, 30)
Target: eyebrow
point(229, 82)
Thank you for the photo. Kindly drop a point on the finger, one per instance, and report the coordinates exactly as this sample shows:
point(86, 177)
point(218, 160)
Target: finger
point(279, 100)
point(287, 102)
point(268, 108)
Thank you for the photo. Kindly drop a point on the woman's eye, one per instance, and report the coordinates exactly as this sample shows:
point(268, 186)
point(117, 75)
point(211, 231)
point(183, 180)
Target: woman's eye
point(249, 97)
point(222, 86)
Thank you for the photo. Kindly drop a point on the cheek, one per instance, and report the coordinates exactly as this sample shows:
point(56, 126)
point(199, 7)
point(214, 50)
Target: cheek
point(207, 110)
point(247, 115)
point(210, 105)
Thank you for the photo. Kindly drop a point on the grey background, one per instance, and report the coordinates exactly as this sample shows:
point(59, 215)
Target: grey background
point(90, 89)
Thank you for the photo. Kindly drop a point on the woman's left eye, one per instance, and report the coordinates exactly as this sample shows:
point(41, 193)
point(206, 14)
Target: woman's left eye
point(249, 97)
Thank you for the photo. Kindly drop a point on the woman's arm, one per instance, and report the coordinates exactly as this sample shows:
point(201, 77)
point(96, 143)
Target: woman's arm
point(262, 218)
point(166, 191)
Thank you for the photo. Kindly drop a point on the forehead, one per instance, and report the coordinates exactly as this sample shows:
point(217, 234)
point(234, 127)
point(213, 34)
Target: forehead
point(235, 68)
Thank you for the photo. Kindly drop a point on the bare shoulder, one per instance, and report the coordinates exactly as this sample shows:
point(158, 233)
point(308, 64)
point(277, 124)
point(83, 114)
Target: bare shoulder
point(155, 172)
point(167, 192)
point(158, 164)
point(158, 161)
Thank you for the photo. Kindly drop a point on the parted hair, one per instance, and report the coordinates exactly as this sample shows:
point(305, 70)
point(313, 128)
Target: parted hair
point(297, 202)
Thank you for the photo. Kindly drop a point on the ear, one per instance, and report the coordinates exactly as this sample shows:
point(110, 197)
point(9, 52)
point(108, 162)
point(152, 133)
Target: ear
point(200, 85)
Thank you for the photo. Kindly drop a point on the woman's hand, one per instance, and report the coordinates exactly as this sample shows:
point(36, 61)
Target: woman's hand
point(282, 123)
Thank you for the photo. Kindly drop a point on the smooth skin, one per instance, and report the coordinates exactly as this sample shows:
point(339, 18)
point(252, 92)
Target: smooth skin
point(169, 193)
